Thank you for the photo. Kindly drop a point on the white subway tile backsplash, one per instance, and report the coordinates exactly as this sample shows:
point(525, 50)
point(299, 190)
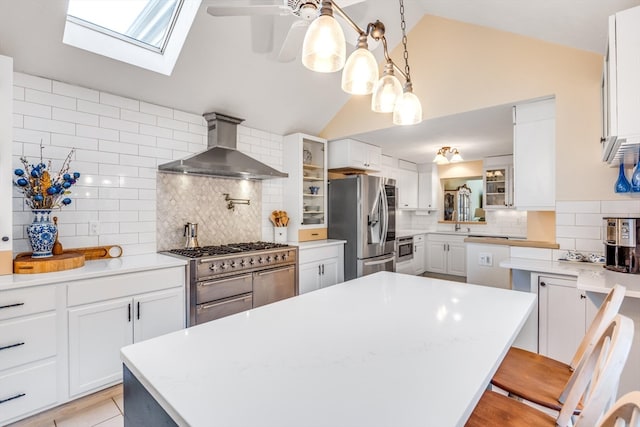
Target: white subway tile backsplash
point(156, 110)
point(100, 109)
point(592, 206)
point(75, 91)
point(31, 82)
point(565, 219)
point(118, 144)
point(31, 109)
point(119, 101)
point(578, 232)
point(587, 246)
point(75, 116)
point(46, 125)
point(566, 243)
point(96, 132)
point(47, 98)
point(621, 207)
point(592, 220)
point(117, 124)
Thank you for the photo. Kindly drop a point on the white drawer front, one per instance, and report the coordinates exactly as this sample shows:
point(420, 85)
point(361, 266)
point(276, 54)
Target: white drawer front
point(105, 288)
point(20, 302)
point(24, 391)
point(26, 340)
point(317, 254)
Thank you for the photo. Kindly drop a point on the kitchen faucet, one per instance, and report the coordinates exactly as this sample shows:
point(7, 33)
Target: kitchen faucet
point(454, 216)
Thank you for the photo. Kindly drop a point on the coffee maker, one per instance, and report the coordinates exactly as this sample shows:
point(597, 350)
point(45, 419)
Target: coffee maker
point(622, 244)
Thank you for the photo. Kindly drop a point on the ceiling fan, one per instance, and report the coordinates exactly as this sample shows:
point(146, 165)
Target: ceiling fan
point(262, 15)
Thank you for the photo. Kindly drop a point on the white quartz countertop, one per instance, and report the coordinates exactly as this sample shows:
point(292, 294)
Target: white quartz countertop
point(317, 243)
point(465, 233)
point(383, 350)
point(591, 277)
point(91, 269)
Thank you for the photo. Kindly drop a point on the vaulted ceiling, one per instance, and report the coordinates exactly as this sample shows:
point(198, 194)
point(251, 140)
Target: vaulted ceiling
point(218, 70)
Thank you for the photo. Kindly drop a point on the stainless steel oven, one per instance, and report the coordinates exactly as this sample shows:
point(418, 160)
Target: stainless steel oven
point(404, 249)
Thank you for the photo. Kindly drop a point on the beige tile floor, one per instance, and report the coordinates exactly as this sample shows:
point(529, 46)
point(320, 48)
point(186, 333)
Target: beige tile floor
point(104, 409)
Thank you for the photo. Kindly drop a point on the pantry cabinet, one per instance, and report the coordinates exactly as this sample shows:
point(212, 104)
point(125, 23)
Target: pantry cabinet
point(108, 313)
point(353, 154)
point(6, 185)
point(320, 266)
point(446, 254)
point(305, 160)
point(407, 185)
point(428, 187)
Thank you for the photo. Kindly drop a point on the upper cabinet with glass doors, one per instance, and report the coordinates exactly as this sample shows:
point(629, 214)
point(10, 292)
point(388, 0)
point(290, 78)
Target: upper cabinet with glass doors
point(305, 194)
point(498, 182)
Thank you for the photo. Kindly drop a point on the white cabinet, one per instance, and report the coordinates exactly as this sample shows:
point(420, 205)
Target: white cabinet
point(419, 254)
point(407, 185)
point(534, 155)
point(353, 154)
point(106, 314)
point(28, 351)
point(305, 160)
point(498, 182)
point(6, 185)
point(320, 267)
point(428, 187)
point(562, 317)
point(446, 254)
point(624, 71)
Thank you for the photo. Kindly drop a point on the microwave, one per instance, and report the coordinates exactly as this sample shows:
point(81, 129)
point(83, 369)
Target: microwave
point(404, 249)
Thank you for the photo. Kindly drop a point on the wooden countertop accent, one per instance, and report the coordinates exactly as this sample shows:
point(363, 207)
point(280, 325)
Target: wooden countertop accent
point(512, 242)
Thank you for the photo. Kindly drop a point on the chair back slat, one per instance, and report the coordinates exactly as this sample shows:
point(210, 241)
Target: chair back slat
point(595, 380)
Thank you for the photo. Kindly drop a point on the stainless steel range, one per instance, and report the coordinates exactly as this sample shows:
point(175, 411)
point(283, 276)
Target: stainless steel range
point(228, 279)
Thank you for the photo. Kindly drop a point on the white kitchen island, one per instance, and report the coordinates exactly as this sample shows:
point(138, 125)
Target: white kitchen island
point(383, 350)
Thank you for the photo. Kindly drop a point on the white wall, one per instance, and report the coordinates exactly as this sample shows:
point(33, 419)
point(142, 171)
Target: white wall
point(119, 142)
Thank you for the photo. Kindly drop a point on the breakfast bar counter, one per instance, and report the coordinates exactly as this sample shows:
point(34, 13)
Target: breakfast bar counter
point(385, 349)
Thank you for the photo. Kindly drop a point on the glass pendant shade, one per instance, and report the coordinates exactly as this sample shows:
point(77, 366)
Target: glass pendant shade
point(456, 158)
point(440, 159)
point(360, 73)
point(622, 184)
point(386, 94)
point(323, 49)
point(408, 110)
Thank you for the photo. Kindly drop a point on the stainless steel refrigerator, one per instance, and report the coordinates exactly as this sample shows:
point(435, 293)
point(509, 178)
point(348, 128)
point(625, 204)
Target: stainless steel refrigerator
point(362, 211)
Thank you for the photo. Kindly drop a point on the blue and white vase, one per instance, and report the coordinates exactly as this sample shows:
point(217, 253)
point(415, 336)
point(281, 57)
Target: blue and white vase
point(622, 184)
point(42, 233)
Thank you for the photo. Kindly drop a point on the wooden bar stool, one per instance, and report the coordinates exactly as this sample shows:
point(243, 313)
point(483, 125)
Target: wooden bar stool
point(543, 380)
point(594, 382)
point(626, 409)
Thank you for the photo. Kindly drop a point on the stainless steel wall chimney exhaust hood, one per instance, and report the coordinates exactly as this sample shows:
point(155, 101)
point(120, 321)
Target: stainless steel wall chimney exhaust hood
point(221, 158)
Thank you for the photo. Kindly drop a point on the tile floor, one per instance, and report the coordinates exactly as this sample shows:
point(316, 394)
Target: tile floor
point(85, 412)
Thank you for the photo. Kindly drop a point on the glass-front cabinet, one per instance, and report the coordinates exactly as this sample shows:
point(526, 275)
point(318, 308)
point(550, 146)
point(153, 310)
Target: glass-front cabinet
point(498, 182)
point(305, 160)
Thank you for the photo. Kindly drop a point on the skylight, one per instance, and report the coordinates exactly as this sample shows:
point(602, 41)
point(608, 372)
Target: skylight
point(145, 33)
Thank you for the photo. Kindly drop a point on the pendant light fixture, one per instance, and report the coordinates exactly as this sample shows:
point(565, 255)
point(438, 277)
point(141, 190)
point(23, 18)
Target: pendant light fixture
point(441, 156)
point(324, 51)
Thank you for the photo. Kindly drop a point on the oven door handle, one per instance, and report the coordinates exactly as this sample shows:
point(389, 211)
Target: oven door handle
point(381, 261)
point(275, 270)
point(226, 301)
point(228, 279)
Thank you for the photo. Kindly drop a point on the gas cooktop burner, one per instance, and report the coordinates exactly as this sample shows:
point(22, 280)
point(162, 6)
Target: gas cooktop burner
point(206, 251)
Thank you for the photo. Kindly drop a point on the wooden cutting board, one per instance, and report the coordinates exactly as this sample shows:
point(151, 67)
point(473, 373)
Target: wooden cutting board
point(24, 264)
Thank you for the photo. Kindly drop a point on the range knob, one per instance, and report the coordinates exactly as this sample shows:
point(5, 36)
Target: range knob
point(269, 258)
point(223, 265)
point(277, 257)
point(233, 264)
point(260, 260)
point(243, 263)
point(285, 256)
point(252, 261)
point(213, 267)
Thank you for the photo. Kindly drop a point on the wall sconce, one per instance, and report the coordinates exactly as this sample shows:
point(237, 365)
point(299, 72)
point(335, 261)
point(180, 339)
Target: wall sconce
point(324, 51)
point(441, 156)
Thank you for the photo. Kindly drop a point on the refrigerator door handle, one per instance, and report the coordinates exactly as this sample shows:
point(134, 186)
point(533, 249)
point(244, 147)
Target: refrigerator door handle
point(381, 261)
point(385, 215)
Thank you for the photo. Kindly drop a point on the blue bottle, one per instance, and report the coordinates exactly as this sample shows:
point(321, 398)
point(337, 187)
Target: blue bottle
point(635, 179)
point(622, 184)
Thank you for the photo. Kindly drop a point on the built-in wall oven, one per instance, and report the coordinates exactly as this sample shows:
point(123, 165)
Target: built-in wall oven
point(404, 249)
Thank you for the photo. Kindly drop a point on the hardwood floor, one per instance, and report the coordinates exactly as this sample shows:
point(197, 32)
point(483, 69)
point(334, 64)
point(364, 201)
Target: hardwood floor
point(101, 409)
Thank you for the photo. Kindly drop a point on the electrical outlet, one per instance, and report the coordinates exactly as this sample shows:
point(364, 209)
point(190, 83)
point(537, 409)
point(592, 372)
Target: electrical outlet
point(94, 228)
point(485, 258)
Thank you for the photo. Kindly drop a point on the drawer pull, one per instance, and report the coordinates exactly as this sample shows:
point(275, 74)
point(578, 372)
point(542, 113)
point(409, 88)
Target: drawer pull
point(18, 304)
point(17, 396)
point(11, 346)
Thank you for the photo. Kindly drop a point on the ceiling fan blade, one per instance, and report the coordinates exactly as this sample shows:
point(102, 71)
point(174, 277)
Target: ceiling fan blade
point(293, 41)
point(273, 9)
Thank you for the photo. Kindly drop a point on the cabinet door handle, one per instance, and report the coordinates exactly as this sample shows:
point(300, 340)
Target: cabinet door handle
point(138, 310)
point(6, 347)
point(543, 284)
point(129, 312)
point(18, 304)
point(319, 270)
point(583, 296)
point(12, 397)
point(323, 269)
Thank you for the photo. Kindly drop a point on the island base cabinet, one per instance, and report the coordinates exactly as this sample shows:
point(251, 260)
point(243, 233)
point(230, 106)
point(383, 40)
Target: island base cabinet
point(98, 331)
point(26, 390)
